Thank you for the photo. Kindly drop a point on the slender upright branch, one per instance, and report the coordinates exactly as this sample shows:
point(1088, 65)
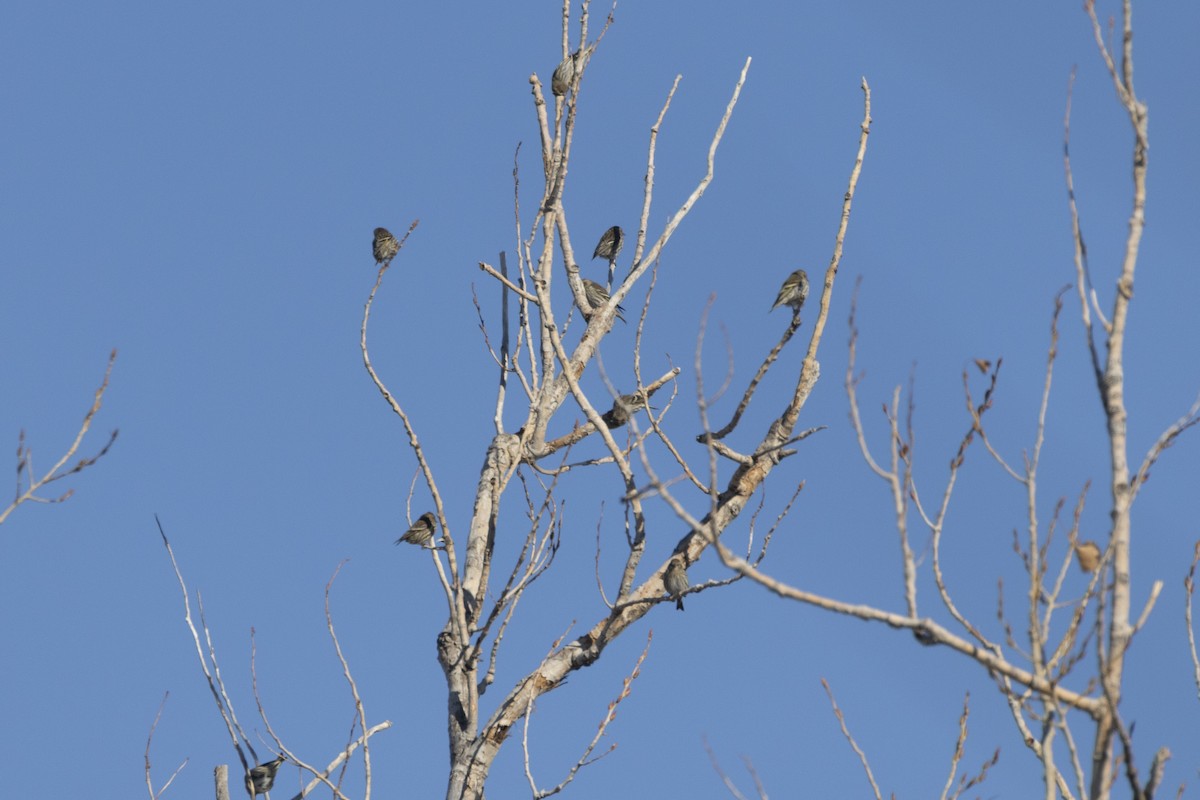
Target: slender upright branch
point(858, 751)
point(1112, 394)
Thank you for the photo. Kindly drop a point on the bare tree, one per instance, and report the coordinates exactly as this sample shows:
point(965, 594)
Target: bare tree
point(1041, 679)
point(542, 350)
point(533, 349)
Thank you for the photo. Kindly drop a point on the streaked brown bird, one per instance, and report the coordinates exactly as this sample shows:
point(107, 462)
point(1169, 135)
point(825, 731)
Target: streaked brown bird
point(421, 532)
point(564, 74)
point(623, 408)
point(598, 296)
point(385, 247)
point(610, 244)
point(793, 292)
point(1088, 554)
point(675, 581)
point(262, 778)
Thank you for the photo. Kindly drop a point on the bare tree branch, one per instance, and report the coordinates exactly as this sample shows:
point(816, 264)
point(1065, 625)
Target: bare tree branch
point(28, 485)
point(155, 795)
point(212, 676)
point(586, 759)
point(1189, 585)
point(837, 712)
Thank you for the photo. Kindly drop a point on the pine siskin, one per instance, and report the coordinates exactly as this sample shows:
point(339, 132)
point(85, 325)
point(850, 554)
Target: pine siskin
point(1088, 554)
point(623, 408)
point(564, 74)
point(421, 531)
point(610, 244)
point(597, 296)
point(262, 778)
point(793, 292)
point(386, 246)
point(675, 581)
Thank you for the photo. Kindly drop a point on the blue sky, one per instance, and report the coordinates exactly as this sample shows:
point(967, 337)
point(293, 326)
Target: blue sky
point(196, 187)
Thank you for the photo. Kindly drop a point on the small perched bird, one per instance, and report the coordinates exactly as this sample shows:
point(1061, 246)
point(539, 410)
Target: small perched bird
point(1088, 554)
point(793, 292)
point(623, 408)
point(598, 296)
point(610, 244)
point(421, 532)
point(564, 74)
point(262, 778)
point(385, 247)
point(924, 636)
point(675, 581)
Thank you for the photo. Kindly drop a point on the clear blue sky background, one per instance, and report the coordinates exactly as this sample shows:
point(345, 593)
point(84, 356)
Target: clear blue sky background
point(196, 186)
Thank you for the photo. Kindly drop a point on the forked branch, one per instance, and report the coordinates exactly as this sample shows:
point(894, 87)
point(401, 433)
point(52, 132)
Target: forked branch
point(28, 484)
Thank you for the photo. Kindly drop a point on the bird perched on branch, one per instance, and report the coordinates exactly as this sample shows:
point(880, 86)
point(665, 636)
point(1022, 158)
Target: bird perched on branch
point(598, 296)
point(623, 408)
point(610, 244)
point(385, 247)
point(421, 532)
point(675, 581)
point(261, 778)
point(793, 292)
point(564, 74)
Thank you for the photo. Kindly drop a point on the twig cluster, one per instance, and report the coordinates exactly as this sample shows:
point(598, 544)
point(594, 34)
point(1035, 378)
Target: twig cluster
point(207, 655)
point(28, 482)
point(1037, 676)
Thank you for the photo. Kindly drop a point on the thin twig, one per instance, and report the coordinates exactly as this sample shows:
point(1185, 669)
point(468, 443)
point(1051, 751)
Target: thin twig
point(958, 745)
point(837, 712)
point(716, 765)
point(358, 704)
point(155, 795)
point(1189, 585)
point(586, 759)
point(788, 332)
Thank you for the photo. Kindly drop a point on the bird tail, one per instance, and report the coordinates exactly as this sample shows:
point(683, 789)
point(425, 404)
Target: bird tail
point(679, 603)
